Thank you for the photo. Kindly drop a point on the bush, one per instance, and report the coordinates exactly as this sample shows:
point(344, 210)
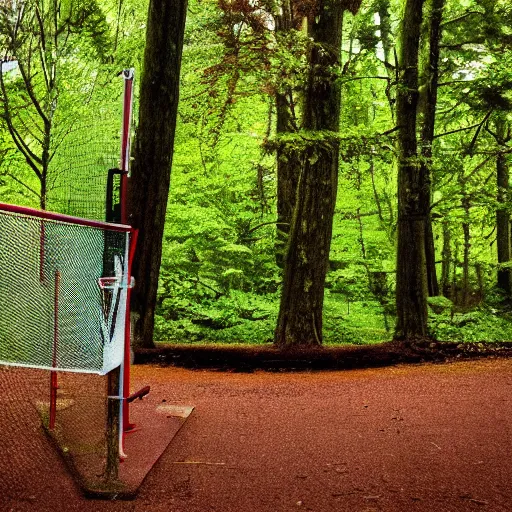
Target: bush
point(440, 304)
point(483, 324)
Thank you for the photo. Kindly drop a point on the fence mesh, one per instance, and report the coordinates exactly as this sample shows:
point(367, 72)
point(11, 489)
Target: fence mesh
point(79, 173)
point(53, 314)
point(83, 155)
point(28, 461)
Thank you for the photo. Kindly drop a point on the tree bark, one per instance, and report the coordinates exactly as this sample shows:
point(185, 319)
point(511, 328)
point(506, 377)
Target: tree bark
point(288, 159)
point(503, 234)
point(430, 258)
point(503, 223)
point(446, 260)
point(307, 255)
point(151, 172)
point(411, 286)
point(429, 106)
point(466, 206)
point(455, 293)
point(288, 170)
point(386, 37)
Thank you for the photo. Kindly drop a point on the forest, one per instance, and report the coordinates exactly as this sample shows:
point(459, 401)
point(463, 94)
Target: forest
point(340, 168)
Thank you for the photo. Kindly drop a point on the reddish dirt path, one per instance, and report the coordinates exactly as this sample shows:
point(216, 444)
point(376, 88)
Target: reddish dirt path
point(422, 438)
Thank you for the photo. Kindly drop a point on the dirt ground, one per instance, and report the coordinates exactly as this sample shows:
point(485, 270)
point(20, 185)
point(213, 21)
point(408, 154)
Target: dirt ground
point(403, 438)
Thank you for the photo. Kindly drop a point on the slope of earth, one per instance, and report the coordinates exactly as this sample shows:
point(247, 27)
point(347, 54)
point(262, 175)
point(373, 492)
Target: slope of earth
point(406, 438)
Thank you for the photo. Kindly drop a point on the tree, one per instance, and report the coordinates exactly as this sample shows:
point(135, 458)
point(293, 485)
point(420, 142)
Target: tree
point(46, 44)
point(413, 199)
point(153, 152)
point(307, 256)
point(288, 158)
point(502, 135)
point(430, 81)
point(383, 9)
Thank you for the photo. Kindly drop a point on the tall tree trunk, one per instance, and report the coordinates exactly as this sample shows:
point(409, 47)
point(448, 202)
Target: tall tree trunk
point(446, 260)
point(386, 37)
point(149, 184)
point(430, 258)
point(411, 282)
point(455, 288)
point(466, 205)
point(288, 158)
point(429, 105)
point(503, 223)
point(307, 256)
point(503, 234)
point(288, 170)
point(45, 162)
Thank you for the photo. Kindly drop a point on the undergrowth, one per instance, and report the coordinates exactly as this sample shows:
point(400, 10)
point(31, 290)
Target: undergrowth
point(250, 319)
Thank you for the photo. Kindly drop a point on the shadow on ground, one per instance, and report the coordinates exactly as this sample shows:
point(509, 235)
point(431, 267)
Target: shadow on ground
point(251, 358)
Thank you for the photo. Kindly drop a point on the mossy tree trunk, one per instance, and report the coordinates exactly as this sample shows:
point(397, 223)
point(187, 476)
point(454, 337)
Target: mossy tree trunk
point(151, 171)
point(307, 255)
point(383, 8)
point(288, 170)
point(411, 285)
point(288, 158)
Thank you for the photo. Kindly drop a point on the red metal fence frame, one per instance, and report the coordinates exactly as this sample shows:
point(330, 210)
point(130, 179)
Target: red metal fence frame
point(46, 215)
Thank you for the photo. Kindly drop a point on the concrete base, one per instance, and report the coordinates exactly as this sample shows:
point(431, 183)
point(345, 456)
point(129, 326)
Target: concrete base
point(156, 426)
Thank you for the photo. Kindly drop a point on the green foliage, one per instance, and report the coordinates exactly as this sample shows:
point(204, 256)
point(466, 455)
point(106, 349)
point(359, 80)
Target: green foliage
point(87, 19)
point(440, 304)
point(216, 201)
point(238, 317)
point(219, 281)
point(353, 322)
point(482, 324)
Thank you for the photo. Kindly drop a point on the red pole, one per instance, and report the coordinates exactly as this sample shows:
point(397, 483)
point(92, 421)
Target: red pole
point(128, 75)
point(46, 215)
point(53, 374)
point(125, 139)
point(127, 328)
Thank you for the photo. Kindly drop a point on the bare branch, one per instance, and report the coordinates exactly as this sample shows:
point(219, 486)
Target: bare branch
point(31, 158)
point(460, 18)
point(252, 230)
point(42, 47)
point(465, 129)
point(442, 84)
point(388, 132)
point(17, 180)
point(478, 167)
point(475, 137)
point(365, 78)
point(458, 46)
point(30, 91)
